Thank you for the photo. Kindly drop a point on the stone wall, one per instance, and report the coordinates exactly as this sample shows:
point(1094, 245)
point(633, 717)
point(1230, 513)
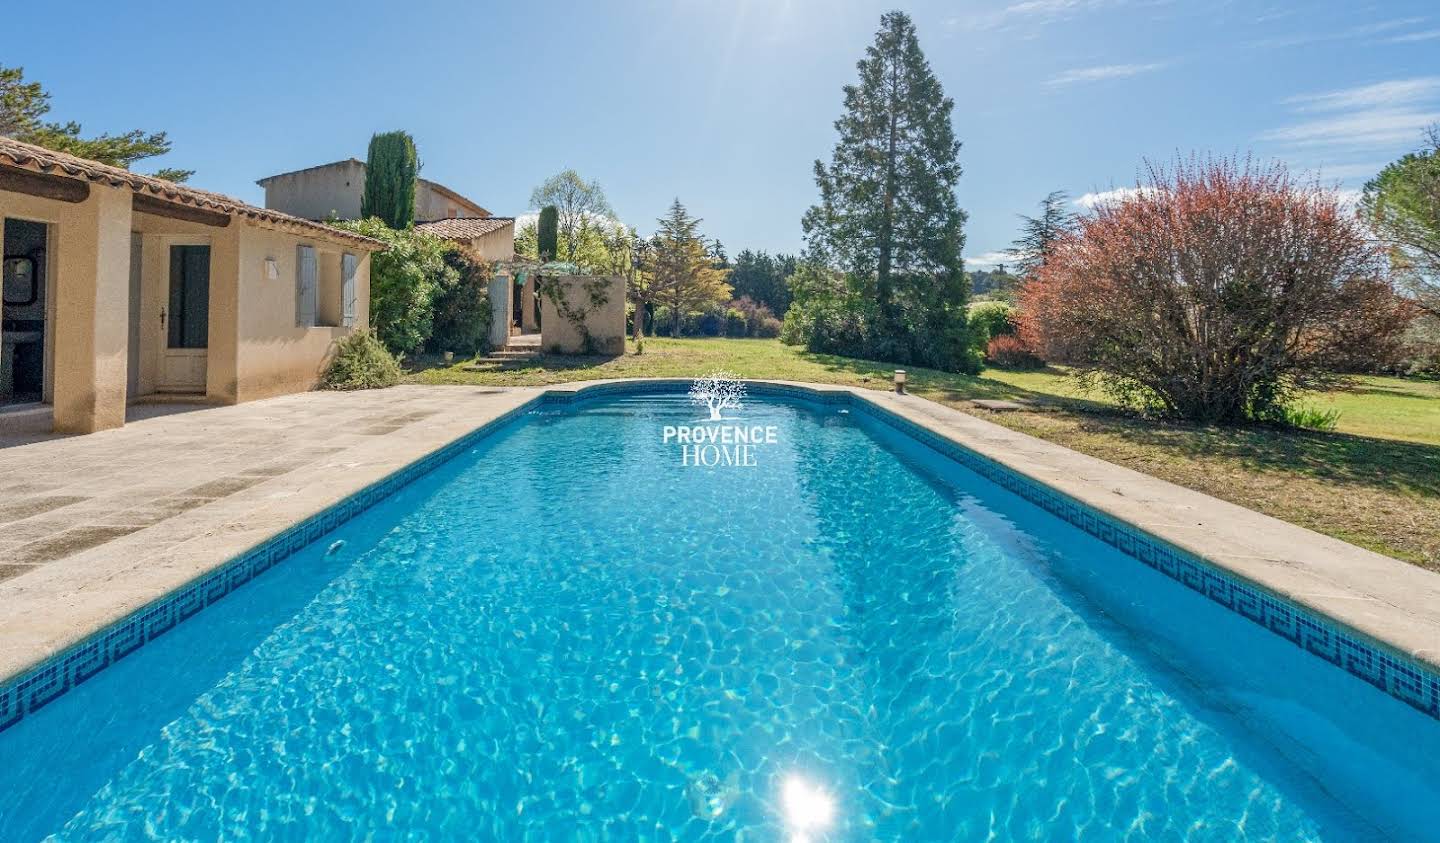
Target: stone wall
point(604, 323)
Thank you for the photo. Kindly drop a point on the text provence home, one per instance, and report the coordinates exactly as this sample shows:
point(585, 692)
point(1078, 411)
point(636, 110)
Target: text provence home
point(711, 445)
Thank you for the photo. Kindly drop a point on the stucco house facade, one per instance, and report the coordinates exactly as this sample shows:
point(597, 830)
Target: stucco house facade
point(333, 191)
point(120, 287)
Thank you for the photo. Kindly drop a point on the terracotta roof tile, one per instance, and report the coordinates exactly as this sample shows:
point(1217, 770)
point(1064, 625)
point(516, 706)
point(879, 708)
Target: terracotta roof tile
point(464, 228)
point(41, 160)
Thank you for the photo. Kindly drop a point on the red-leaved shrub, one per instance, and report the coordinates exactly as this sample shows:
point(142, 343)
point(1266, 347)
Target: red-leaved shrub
point(1215, 292)
point(1010, 352)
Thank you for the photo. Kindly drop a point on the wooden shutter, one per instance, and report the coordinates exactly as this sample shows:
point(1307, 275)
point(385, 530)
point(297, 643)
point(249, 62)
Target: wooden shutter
point(348, 264)
point(306, 278)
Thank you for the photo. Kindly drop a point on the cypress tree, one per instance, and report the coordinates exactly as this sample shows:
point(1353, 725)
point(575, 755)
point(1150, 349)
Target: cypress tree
point(888, 215)
point(391, 169)
point(548, 233)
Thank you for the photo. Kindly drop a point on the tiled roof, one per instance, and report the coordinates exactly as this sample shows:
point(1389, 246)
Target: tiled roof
point(464, 228)
point(41, 160)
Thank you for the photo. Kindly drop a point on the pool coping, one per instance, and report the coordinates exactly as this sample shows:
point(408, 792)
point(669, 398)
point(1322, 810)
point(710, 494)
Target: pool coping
point(1376, 617)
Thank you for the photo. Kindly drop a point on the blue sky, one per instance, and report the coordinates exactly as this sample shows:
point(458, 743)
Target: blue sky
point(726, 104)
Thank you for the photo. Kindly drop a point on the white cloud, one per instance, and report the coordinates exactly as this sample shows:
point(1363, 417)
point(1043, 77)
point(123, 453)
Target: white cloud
point(1395, 92)
point(1370, 127)
point(1383, 115)
point(1037, 12)
point(1362, 31)
point(1411, 37)
point(1101, 73)
point(1105, 197)
point(1349, 199)
point(990, 259)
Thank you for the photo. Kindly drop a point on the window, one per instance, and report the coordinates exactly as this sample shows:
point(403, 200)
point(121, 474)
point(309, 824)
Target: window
point(328, 301)
point(189, 296)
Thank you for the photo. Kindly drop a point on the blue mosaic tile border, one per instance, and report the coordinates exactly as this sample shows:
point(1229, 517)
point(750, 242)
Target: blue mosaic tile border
point(1400, 677)
point(44, 683)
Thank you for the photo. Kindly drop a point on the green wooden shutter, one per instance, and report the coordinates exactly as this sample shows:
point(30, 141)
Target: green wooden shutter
point(306, 278)
point(348, 264)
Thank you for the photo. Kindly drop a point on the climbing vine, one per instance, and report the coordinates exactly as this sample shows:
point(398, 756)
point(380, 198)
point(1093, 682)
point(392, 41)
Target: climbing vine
point(596, 297)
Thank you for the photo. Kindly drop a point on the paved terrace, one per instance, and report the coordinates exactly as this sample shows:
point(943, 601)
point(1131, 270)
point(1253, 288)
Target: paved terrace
point(93, 527)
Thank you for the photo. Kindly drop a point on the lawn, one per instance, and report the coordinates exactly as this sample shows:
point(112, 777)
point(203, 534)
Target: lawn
point(1374, 482)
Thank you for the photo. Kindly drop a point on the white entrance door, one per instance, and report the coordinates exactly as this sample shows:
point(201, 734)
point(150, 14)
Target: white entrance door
point(187, 321)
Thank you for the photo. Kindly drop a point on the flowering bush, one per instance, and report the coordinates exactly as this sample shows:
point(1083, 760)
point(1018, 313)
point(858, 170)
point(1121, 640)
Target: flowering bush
point(1010, 352)
point(1215, 293)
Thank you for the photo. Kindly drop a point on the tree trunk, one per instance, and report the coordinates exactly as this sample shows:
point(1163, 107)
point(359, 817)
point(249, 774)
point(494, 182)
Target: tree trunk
point(883, 292)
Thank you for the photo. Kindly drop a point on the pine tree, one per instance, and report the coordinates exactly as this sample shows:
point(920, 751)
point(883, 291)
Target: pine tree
point(1040, 234)
point(888, 210)
point(391, 169)
point(23, 105)
point(685, 276)
point(548, 234)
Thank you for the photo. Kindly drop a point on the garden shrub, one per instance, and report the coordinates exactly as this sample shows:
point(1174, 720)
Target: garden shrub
point(403, 282)
point(1216, 293)
point(754, 314)
point(361, 361)
point(461, 320)
point(1008, 351)
point(710, 324)
point(735, 324)
point(990, 319)
point(769, 328)
point(834, 313)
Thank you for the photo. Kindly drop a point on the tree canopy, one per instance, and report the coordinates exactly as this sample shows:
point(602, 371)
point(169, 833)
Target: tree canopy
point(23, 106)
point(392, 168)
point(580, 205)
point(762, 277)
point(1039, 234)
point(683, 268)
point(1403, 204)
point(888, 215)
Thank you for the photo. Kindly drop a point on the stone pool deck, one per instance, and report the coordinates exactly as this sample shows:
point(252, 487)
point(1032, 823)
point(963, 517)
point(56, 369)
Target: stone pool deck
point(93, 527)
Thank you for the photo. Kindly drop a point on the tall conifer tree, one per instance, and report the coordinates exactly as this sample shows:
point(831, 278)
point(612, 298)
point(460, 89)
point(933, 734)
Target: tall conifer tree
point(888, 214)
point(391, 170)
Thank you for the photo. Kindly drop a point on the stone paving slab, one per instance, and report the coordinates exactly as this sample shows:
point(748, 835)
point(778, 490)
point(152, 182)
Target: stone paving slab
point(93, 527)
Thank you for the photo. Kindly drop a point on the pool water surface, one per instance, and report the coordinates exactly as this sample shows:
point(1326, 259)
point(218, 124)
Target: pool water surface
point(565, 634)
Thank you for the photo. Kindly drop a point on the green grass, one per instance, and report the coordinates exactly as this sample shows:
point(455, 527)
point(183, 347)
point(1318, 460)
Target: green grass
point(1389, 408)
point(1375, 481)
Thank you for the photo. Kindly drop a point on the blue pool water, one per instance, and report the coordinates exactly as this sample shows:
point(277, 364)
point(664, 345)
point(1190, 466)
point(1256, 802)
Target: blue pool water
point(564, 634)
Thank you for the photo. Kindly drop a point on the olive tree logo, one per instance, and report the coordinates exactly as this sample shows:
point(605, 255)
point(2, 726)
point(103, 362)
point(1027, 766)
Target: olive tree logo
point(717, 392)
point(709, 444)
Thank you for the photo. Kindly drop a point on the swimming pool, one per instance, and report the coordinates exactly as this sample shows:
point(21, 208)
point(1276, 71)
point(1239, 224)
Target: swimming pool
point(852, 638)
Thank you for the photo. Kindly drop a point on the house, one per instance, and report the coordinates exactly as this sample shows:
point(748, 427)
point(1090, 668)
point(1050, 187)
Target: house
point(332, 191)
point(489, 238)
point(119, 286)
